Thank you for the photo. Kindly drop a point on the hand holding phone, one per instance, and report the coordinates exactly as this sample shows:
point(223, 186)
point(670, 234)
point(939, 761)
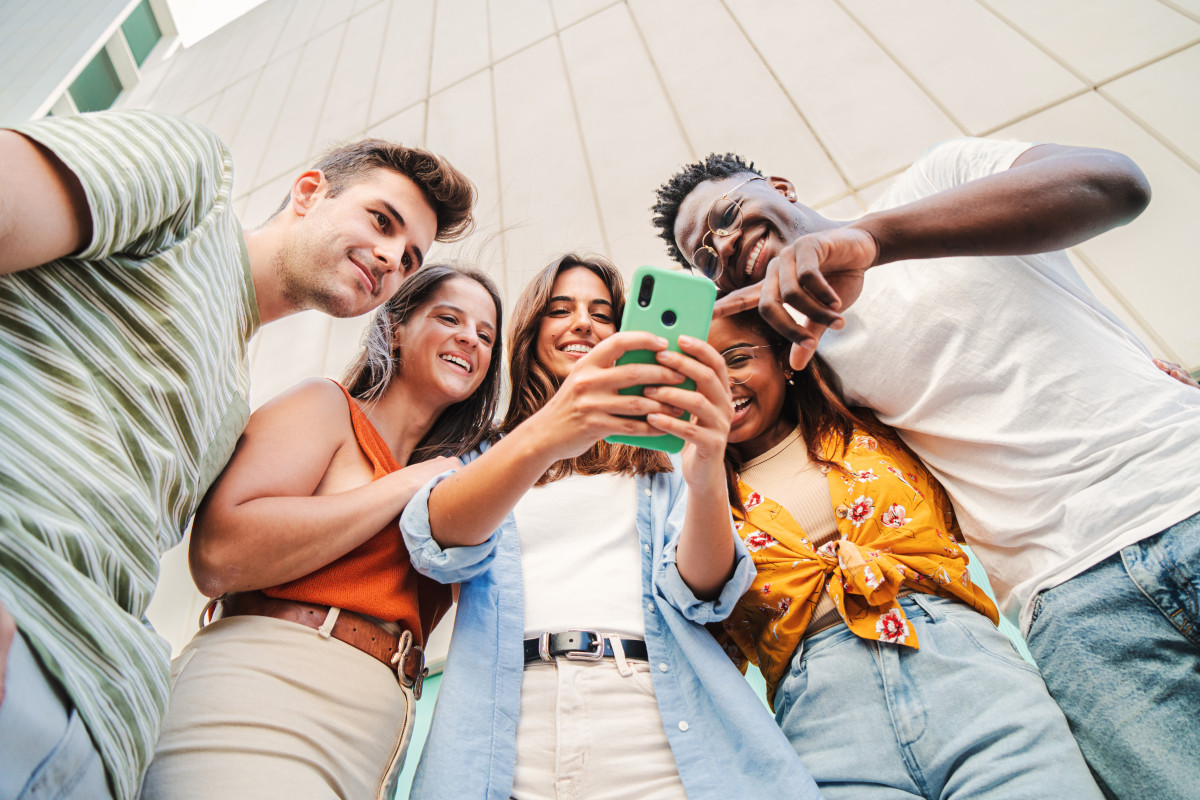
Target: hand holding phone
point(666, 303)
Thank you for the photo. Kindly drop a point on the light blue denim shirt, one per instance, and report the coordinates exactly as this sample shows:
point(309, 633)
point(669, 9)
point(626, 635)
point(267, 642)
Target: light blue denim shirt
point(724, 741)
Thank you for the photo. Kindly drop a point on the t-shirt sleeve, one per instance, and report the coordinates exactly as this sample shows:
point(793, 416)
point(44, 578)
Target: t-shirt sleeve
point(948, 164)
point(150, 179)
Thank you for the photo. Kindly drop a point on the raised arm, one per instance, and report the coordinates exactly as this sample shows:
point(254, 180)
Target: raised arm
point(1052, 197)
point(279, 511)
point(705, 556)
point(43, 209)
point(468, 506)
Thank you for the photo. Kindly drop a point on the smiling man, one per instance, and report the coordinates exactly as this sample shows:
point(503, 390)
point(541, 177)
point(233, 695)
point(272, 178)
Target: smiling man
point(128, 292)
point(1071, 459)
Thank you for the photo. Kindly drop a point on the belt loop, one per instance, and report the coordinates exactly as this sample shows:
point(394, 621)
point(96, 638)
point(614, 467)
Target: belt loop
point(799, 653)
point(926, 603)
point(618, 651)
point(326, 629)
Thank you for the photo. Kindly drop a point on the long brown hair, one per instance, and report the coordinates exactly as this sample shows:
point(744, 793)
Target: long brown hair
point(814, 402)
point(533, 385)
point(463, 426)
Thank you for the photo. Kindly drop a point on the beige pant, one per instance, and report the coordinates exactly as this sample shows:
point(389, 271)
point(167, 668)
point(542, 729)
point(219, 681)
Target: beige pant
point(262, 708)
point(587, 733)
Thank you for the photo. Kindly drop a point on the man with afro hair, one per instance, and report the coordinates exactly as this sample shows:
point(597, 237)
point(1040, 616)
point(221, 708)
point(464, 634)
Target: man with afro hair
point(952, 312)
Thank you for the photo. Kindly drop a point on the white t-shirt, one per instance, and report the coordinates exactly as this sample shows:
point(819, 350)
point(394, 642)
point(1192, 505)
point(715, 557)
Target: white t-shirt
point(581, 557)
point(1055, 435)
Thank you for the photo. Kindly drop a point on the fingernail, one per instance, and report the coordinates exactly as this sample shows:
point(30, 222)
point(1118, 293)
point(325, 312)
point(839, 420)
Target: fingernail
point(650, 391)
point(662, 342)
point(685, 339)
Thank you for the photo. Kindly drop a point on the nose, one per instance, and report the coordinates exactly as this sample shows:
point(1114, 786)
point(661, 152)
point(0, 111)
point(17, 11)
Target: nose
point(581, 320)
point(389, 255)
point(724, 245)
point(467, 336)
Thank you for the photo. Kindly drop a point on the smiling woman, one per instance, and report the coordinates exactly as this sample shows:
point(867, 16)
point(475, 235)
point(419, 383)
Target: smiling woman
point(587, 572)
point(298, 542)
point(862, 587)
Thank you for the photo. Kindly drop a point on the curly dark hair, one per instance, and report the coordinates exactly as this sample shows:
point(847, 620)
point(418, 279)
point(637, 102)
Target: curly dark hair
point(712, 167)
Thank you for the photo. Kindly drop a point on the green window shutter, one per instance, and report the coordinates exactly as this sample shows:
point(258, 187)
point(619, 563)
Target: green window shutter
point(97, 86)
point(141, 31)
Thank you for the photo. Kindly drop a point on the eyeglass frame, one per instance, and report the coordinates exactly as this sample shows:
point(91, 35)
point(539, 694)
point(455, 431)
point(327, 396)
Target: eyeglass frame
point(732, 380)
point(722, 232)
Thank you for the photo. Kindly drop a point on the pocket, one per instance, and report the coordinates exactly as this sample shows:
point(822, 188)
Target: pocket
point(642, 677)
point(72, 769)
point(987, 639)
point(1035, 610)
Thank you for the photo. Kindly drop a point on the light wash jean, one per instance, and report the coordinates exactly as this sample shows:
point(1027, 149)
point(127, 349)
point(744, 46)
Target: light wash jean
point(1120, 648)
point(962, 717)
point(45, 750)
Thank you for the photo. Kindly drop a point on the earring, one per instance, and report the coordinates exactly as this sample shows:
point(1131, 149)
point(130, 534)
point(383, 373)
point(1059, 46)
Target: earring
point(791, 379)
point(791, 195)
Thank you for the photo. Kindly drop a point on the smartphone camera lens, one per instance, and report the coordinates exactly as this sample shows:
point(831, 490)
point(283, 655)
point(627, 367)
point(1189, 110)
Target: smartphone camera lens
point(668, 318)
point(645, 290)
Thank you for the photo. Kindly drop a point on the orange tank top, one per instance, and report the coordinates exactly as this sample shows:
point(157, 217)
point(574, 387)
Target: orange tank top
point(375, 578)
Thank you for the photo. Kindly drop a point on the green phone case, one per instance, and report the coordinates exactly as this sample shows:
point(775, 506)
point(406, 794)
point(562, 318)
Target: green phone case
point(677, 303)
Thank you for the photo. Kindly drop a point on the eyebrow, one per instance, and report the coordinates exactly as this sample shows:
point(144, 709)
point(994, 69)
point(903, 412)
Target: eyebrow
point(451, 307)
point(398, 218)
point(562, 298)
point(736, 346)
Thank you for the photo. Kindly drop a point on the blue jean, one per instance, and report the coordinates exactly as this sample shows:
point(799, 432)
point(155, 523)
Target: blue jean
point(962, 717)
point(45, 750)
point(1120, 648)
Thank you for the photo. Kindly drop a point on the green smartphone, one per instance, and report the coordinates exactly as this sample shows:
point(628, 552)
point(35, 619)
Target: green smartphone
point(666, 303)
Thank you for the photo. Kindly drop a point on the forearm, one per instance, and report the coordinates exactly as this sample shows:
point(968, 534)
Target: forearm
point(272, 540)
point(705, 556)
point(1042, 203)
point(465, 508)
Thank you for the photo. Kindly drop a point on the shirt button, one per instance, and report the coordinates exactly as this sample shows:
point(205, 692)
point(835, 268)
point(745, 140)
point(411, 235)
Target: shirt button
point(683, 726)
point(645, 548)
point(647, 493)
point(650, 607)
point(662, 667)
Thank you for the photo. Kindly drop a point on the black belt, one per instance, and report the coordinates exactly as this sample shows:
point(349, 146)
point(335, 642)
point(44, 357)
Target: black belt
point(580, 646)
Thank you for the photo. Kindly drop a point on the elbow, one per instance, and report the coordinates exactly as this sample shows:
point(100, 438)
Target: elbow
point(1125, 187)
point(208, 578)
point(213, 570)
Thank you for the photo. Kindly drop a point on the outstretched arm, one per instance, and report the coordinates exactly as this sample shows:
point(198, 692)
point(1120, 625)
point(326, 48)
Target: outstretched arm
point(43, 209)
point(1052, 197)
point(278, 513)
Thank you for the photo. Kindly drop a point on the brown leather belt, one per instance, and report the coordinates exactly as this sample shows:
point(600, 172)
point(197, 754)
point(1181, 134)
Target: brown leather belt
point(399, 653)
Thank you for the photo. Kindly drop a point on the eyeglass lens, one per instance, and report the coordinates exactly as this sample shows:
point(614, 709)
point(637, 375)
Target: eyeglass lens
point(724, 218)
point(738, 362)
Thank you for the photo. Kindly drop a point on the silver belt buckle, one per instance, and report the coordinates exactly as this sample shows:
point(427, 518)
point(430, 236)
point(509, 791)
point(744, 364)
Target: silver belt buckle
point(589, 655)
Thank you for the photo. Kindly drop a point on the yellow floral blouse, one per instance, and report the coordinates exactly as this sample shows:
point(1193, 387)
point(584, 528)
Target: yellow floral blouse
point(897, 530)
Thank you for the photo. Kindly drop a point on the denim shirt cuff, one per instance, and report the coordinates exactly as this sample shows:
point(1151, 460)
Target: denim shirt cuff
point(450, 565)
point(674, 589)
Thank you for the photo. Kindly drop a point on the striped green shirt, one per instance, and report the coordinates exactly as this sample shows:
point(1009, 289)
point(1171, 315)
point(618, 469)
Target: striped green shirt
point(123, 380)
